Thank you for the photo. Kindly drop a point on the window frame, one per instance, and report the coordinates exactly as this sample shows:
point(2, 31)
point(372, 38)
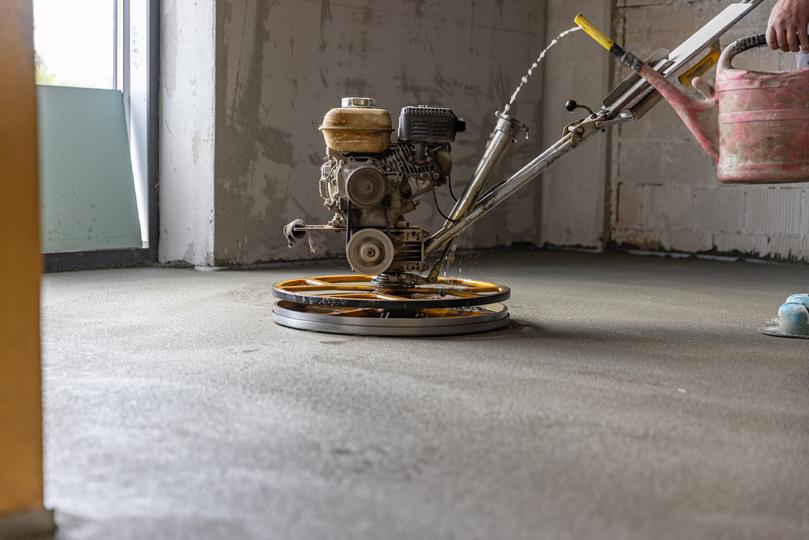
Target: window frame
point(129, 257)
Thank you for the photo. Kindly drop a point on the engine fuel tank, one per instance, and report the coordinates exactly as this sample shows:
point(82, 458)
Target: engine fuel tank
point(357, 127)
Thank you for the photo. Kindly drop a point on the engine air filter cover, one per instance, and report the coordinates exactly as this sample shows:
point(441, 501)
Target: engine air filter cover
point(429, 124)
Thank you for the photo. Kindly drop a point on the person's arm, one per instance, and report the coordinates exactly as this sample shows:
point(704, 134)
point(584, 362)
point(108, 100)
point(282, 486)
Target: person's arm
point(787, 29)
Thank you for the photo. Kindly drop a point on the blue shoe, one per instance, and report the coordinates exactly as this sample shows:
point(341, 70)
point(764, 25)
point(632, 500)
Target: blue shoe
point(793, 319)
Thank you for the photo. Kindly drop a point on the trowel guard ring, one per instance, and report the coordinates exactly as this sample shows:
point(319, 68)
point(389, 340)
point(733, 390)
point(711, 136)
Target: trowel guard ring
point(360, 291)
point(372, 322)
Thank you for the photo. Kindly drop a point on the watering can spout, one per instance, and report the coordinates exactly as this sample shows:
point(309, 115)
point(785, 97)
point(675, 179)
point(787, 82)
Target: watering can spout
point(698, 115)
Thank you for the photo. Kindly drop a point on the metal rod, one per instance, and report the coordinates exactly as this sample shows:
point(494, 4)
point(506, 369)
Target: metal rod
point(503, 137)
point(522, 177)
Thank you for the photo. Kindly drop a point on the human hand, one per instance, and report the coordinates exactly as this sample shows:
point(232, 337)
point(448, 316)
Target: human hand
point(787, 29)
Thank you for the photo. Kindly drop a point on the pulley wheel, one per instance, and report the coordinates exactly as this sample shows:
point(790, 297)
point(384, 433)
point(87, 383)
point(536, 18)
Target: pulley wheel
point(360, 291)
point(370, 251)
point(374, 322)
point(366, 187)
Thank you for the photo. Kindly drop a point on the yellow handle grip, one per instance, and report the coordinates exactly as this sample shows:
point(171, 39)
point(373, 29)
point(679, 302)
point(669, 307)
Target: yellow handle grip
point(594, 32)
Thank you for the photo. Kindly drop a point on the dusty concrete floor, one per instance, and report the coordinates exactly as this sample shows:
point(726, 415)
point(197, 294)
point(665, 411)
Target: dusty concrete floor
point(632, 398)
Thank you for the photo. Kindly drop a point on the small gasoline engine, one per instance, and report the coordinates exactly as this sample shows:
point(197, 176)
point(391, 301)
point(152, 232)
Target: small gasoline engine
point(371, 183)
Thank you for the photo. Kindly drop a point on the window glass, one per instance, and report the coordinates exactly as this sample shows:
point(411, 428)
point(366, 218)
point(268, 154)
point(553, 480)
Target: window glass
point(75, 42)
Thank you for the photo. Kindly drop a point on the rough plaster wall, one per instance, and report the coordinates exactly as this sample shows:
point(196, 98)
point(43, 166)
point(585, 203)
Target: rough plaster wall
point(573, 190)
point(281, 65)
point(665, 192)
point(187, 131)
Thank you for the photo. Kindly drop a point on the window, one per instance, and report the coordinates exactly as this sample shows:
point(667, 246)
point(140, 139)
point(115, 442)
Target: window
point(102, 53)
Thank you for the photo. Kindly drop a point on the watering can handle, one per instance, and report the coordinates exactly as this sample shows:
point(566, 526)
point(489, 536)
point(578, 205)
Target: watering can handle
point(738, 47)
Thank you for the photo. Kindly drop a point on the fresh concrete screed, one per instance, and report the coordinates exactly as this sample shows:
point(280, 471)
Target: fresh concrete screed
point(631, 398)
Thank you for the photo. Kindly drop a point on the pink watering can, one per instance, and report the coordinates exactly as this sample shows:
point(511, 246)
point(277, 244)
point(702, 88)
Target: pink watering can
point(761, 135)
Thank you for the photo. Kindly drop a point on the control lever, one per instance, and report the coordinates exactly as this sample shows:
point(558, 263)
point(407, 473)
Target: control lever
point(571, 105)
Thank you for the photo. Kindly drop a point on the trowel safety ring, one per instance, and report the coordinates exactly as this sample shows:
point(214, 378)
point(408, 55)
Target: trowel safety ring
point(359, 291)
point(429, 322)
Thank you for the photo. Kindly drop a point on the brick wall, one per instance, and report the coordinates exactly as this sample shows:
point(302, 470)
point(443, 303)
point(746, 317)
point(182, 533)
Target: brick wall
point(663, 190)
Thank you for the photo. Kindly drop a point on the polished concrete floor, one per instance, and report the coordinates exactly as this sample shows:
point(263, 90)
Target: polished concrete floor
point(631, 397)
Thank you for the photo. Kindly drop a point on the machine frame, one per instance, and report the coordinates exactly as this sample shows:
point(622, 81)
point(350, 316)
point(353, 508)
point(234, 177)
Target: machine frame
point(629, 101)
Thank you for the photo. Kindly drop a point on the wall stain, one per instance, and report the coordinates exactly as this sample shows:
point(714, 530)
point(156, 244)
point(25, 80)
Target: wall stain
point(444, 86)
point(365, 44)
point(367, 13)
point(427, 38)
point(419, 8)
point(245, 135)
point(195, 142)
point(316, 159)
point(325, 18)
point(245, 138)
point(408, 87)
point(498, 85)
point(357, 86)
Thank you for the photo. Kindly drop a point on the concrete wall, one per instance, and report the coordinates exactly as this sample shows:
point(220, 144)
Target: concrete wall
point(187, 90)
point(573, 190)
point(240, 149)
point(281, 65)
point(664, 191)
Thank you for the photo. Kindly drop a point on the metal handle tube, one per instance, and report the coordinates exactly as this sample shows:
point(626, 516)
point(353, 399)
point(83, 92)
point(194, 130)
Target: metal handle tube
point(504, 133)
point(503, 136)
point(522, 177)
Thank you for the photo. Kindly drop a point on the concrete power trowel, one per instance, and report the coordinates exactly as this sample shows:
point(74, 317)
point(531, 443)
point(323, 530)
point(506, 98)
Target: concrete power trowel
point(371, 183)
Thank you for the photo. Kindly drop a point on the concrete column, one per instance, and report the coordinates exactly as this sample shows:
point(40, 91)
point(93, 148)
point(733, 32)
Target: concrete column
point(21, 484)
point(187, 77)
